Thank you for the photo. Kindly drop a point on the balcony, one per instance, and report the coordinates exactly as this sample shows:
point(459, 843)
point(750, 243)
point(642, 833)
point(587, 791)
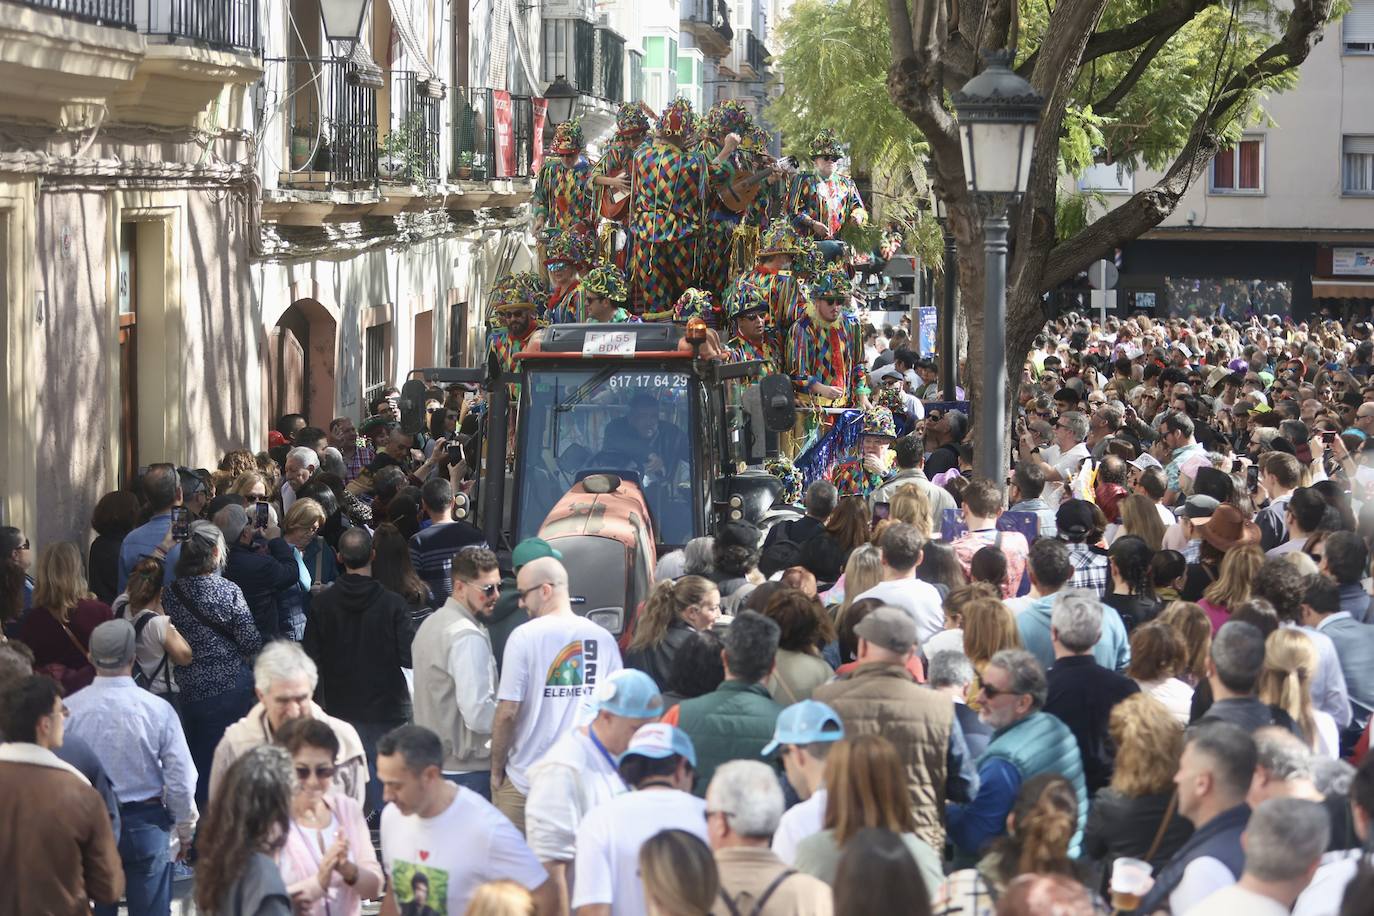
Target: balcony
point(410, 152)
point(493, 148)
point(225, 25)
point(117, 14)
point(756, 55)
point(330, 125)
point(610, 66)
point(708, 21)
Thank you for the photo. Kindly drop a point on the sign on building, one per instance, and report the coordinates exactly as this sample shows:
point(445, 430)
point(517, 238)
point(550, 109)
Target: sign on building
point(1352, 262)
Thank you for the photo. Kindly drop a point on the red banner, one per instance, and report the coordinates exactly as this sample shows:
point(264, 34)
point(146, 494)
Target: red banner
point(505, 134)
point(541, 113)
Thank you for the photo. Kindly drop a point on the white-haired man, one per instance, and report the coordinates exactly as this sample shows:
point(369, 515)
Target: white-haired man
point(743, 806)
point(284, 678)
point(1283, 844)
point(301, 464)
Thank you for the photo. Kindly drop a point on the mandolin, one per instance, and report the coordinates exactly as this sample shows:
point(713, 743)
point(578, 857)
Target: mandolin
point(615, 205)
point(740, 193)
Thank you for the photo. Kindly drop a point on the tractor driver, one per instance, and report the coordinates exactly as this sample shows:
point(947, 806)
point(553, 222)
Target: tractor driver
point(652, 446)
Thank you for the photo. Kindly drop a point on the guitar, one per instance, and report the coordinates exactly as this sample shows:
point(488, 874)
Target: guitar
point(615, 205)
point(740, 193)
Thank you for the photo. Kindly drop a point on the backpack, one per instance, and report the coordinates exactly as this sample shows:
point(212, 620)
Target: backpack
point(146, 680)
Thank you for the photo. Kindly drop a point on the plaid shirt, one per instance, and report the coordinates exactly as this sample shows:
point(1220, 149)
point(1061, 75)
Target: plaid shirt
point(1089, 568)
point(362, 456)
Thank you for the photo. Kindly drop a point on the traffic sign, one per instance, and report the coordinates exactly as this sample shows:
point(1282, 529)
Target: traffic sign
point(1103, 275)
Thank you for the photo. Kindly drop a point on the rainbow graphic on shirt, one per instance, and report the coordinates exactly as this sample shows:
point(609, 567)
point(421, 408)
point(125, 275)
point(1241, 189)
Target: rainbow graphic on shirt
point(567, 667)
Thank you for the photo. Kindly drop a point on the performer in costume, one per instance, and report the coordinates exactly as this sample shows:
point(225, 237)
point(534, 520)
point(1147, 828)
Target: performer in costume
point(515, 302)
point(567, 255)
point(726, 124)
point(603, 296)
point(561, 191)
point(865, 472)
point(824, 348)
point(667, 209)
point(769, 203)
point(827, 200)
point(748, 308)
point(610, 183)
point(773, 274)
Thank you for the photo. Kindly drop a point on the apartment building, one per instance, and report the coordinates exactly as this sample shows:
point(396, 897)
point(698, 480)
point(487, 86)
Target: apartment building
point(1283, 223)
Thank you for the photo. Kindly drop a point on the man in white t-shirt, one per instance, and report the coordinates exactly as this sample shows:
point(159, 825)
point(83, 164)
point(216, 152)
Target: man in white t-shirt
point(552, 666)
point(660, 763)
point(579, 772)
point(805, 732)
point(1283, 845)
point(901, 546)
point(441, 841)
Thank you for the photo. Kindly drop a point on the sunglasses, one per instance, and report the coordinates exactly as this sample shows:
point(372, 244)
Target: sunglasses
point(323, 771)
point(993, 693)
point(524, 593)
point(487, 590)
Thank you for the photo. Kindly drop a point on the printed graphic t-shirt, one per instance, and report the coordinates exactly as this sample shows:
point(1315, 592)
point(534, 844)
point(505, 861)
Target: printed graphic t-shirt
point(436, 864)
point(552, 665)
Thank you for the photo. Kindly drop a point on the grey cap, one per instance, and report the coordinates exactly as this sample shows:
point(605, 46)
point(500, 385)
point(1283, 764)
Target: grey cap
point(1199, 508)
point(231, 520)
point(112, 644)
point(889, 627)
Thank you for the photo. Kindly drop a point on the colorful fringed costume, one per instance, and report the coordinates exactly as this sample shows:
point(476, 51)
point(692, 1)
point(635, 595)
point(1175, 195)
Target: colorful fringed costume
point(562, 196)
point(667, 209)
point(851, 477)
point(631, 126)
point(832, 201)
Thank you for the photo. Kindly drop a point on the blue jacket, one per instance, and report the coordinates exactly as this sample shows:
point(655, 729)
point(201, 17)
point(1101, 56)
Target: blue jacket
point(1113, 650)
point(1219, 839)
point(1354, 643)
point(1037, 744)
point(262, 576)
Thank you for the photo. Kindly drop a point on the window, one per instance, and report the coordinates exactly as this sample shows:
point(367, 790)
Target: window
point(1357, 165)
point(570, 49)
point(1357, 28)
point(636, 76)
point(1109, 178)
point(457, 334)
point(128, 351)
point(1240, 169)
point(375, 341)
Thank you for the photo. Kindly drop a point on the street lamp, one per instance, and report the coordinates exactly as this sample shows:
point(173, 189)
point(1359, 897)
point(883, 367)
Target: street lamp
point(343, 19)
point(998, 113)
point(949, 366)
point(562, 99)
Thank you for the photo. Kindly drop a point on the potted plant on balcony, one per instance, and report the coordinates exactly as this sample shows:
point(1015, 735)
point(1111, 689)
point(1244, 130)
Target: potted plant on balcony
point(401, 156)
point(302, 143)
point(465, 164)
point(479, 168)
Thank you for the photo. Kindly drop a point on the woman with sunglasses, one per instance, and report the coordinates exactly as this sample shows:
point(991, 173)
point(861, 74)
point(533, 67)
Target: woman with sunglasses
point(328, 862)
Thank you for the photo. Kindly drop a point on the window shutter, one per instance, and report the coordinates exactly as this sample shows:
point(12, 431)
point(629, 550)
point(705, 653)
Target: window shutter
point(1357, 26)
point(1357, 146)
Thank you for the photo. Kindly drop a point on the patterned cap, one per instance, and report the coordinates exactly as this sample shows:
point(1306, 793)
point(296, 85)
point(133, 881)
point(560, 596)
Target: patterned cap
point(567, 138)
point(573, 245)
point(678, 119)
point(632, 119)
point(745, 295)
point(889, 396)
point(833, 283)
point(878, 422)
point(728, 116)
point(520, 291)
point(826, 143)
point(755, 140)
point(787, 473)
point(811, 261)
point(779, 238)
point(694, 303)
point(606, 281)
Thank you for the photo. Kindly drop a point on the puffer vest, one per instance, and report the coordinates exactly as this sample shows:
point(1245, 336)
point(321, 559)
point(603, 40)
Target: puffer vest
point(1040, 743)
point(733, 722)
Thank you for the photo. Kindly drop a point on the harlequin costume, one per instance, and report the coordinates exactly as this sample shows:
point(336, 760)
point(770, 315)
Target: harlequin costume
point(513, 294)
point(770, 203)
point(826, 352)
point(608, 282)
point(832, 201)
point(561, 192)
point(850, 477)
point(727, 116)
point(667, 209)
point(781, 287)
point(572, 247)
point(748, 297)
point(631, 127)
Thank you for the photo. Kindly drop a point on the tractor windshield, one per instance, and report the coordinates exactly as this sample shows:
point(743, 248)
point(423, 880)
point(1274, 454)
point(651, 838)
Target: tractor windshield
point(618, 418)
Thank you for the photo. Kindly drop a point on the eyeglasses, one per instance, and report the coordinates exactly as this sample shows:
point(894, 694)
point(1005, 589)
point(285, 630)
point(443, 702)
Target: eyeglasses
point(993, 693)
point(524, 593)
point(25, 545)
point(322, 771)
point(487, 590)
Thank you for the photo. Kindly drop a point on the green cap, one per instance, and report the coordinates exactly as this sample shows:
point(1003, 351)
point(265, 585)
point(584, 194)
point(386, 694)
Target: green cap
point(532, 549)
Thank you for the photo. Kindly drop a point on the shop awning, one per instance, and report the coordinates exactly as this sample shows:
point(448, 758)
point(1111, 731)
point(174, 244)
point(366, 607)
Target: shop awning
point(1323, 288)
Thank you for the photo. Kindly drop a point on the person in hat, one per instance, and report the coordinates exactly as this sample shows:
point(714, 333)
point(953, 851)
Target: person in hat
point(659, 764)
point(514, 307)
point(610, 182)
point(1076, 522)
point(828, 200)
point(139, 741)
point(579, 771)
point(1220, 528)
point(773, 196)
point(865, 473)
point(568, 253)
point(726, 125)
point(747, 306)
point(805, 733)
point(666, 211)
point(695, 303)
point(825, 348)
point(562, 192)
point(775, 276)
point(602, 296)
point(507, 613)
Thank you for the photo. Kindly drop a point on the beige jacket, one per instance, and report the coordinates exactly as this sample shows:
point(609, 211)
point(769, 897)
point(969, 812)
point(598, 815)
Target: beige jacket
point(747, 871)
point(251, 731)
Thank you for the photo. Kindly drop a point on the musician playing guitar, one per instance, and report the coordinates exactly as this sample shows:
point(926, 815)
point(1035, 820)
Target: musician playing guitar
point(610, 182)
point(726, 122)
point(828, 200)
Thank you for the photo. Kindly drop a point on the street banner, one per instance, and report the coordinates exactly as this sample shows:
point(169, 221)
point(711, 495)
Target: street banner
point(505, 133)
point(541, 112)
point(925, 340)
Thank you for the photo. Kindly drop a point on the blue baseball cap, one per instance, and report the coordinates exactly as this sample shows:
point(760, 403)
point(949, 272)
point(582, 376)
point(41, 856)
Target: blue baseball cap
point(629, 693)
point(658, 740)
point(807, 722)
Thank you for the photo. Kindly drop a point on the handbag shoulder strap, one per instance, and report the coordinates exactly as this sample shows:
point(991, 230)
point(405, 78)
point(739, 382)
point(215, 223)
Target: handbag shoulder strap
point(210, 622)
point(76, 642)
point(1163, 826)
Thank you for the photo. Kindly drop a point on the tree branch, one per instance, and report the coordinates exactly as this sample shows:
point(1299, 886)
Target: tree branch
point(1168, 18)
point(1142, 63)
point(1147, 209)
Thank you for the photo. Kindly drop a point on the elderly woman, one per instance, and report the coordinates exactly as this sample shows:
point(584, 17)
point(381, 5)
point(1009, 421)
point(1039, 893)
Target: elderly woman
point(209, 611)
point(303, 520)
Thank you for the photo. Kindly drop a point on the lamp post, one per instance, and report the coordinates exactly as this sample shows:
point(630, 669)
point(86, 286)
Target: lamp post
point(998, 112)
point(343, 19)
point(561, 96)
point(949, 366)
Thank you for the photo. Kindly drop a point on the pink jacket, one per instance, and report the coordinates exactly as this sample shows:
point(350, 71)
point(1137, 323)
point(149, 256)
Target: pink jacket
point(299, 862)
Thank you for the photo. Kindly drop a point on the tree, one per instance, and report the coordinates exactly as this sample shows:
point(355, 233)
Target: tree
point(1160, 83)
